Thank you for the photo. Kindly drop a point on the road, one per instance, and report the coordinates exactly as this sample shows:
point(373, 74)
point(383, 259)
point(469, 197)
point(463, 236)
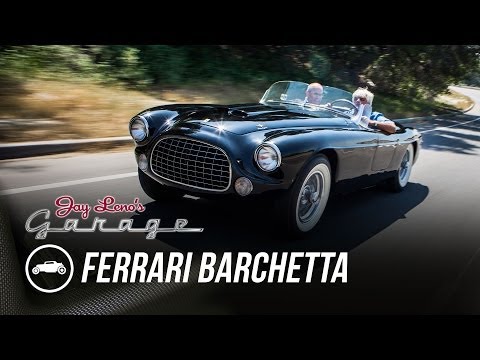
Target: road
point(416, 252)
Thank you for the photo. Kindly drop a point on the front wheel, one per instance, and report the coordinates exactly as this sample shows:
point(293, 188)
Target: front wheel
point(402, 175)
point(307, 199)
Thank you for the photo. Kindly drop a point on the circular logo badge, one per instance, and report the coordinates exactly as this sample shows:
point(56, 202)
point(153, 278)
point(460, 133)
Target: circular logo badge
point(49, 268)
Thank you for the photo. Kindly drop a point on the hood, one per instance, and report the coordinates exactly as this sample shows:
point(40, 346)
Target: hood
point(247, 118)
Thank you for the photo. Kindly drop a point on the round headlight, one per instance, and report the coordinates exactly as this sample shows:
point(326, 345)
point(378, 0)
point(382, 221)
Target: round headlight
point(138, 128)
point(268, 157)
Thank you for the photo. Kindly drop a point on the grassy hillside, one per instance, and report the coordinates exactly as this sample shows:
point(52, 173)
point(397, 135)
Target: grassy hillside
point(41, 109)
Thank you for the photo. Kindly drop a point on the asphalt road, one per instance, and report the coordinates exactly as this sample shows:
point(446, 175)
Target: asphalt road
point(416, 252)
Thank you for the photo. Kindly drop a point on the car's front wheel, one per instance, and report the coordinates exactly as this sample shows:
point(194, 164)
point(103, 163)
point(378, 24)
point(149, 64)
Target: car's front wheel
point(35, 270)
point(155, 190)
point(307, 199)
point(62, 270)
point(402, 175)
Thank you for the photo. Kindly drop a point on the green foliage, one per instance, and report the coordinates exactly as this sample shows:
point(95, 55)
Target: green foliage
point(27, 61)
point(472, 77)
point(422, 71)
point(320, 66)
point(414, 71)
point(98, 63)
point(130, 68)
point(164, 64)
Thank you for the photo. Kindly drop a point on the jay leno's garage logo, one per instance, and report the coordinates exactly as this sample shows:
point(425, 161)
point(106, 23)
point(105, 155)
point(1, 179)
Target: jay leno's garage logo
point(49, 268)
point(67, 205)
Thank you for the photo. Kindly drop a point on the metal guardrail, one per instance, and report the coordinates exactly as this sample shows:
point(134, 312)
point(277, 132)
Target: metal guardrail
point(39, 148)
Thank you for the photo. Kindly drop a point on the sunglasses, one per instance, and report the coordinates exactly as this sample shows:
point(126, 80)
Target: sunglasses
point(362, 99)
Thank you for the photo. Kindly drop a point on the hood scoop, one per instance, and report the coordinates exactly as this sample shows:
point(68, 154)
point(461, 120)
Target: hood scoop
point(218, 111)
point(225, 111)
point(237, 112)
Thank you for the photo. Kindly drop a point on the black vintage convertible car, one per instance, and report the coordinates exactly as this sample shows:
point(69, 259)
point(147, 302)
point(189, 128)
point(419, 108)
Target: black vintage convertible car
point(282, 144)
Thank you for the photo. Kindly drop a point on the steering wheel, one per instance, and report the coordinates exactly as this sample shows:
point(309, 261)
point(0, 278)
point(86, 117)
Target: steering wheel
point(345, 101)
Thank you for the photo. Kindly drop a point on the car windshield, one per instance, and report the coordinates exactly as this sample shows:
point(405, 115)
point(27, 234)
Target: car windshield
point(292, 94)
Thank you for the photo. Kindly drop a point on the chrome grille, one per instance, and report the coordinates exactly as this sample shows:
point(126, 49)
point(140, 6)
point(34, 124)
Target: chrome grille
point(192, 163)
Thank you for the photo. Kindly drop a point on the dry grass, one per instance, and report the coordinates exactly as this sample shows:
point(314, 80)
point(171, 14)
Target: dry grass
point(36, 110)
point(50, 110)
point(224, 93)
point(455, 100)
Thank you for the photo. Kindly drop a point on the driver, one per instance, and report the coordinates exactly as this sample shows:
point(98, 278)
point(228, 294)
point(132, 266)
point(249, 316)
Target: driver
point(314, 94)
point(375, 119)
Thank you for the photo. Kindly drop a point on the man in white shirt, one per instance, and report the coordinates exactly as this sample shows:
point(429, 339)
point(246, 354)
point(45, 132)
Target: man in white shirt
point(374, 119)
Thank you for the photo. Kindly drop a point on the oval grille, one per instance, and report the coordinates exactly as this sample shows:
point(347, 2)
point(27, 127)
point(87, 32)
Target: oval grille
point(192, 163)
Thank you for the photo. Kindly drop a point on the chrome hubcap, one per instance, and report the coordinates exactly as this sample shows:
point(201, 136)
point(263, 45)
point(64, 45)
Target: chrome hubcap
point(405, 165)
point(310, 196)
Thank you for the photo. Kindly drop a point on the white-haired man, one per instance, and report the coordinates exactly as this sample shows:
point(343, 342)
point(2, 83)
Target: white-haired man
point(376, 120)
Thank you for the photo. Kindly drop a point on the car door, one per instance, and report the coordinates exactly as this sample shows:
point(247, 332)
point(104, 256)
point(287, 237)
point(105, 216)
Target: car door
point(356, 153)
point(385, 149)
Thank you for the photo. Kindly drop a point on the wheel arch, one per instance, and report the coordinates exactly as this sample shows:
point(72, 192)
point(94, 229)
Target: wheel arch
point(416, 149)
point(332, 157)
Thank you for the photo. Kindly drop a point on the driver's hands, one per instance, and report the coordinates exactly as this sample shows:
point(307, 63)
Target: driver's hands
point(364, 121)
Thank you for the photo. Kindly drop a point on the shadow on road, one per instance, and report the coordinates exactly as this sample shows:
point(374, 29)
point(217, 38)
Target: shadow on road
point(453, 141)
point(348, 221)
point(451, 133)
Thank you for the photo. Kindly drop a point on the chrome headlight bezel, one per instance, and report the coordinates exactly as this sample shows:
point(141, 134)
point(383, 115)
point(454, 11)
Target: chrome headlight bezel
point(140, 120)
point(273, 150)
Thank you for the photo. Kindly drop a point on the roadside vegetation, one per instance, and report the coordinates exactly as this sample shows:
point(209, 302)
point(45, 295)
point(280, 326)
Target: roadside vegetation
point(60, 92)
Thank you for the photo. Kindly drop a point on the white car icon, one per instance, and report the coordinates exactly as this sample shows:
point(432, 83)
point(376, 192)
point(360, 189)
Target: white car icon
point(49, 267)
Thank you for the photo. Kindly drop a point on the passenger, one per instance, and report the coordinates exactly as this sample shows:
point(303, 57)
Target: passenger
point(375, 119)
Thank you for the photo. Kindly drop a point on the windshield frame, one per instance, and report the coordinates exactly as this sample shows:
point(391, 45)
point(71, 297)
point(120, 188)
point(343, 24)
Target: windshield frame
point(292, 93)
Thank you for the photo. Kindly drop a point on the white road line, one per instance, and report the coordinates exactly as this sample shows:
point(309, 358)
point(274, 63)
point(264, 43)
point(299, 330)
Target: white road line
point(65, 183)
point(445, 127)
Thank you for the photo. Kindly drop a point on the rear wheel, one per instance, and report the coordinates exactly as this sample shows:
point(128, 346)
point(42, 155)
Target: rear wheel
point(305, 202)
point(402, 175)
point(156, 190)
